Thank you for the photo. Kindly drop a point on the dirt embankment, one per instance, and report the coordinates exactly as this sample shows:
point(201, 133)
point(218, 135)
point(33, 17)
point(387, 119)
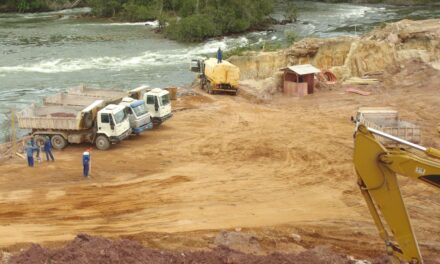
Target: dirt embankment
point(88, 249)
point(377, 52)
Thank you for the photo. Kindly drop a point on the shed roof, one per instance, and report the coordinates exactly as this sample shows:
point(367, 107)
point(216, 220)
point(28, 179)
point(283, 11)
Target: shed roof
point(303, 69)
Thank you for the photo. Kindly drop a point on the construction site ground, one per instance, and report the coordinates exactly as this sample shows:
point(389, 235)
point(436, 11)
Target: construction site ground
point(226, 172)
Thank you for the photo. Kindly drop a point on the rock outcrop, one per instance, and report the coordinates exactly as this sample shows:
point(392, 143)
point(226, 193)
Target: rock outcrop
point(376, 52)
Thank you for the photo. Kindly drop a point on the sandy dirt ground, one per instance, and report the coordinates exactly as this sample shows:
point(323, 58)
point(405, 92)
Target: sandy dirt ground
point(281, 171)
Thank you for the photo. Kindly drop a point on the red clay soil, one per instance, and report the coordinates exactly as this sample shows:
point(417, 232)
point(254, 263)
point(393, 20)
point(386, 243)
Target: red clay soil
point(90, 249)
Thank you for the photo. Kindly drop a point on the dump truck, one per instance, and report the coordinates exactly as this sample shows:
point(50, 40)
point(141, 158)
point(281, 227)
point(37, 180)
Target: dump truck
point(157, 100)
point(387, 120)
point(140, 119)
point(217, 77)
point(76, 124)
point(159, 105)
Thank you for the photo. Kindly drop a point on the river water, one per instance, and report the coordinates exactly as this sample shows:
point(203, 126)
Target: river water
point(46, 53)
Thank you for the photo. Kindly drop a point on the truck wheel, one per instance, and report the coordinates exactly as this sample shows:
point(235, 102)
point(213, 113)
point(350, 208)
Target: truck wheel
point(39, 140)
point(58, 142)
point(102, 142)
point(156, 122)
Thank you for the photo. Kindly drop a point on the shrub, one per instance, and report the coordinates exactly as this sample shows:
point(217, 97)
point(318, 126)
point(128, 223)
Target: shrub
point(27, 5)
point(192, 29)
point(105, 8)
point(238, 51)
point(135, 12)
point(290, 36)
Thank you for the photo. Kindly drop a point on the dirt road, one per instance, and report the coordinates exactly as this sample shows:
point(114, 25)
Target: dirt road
point(223, 162)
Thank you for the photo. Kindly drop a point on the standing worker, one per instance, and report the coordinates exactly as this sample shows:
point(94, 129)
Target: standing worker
point(48, 149)
point(36, 148)
point(30, 153)
point(219, 55)
point(86, 163)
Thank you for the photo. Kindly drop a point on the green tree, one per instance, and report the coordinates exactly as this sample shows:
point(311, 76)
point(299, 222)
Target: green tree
point(196, 19)
point(192, 29)
point(106, 8)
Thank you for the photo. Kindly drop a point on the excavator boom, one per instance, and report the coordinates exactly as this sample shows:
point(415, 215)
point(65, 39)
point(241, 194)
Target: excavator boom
point(377, 167)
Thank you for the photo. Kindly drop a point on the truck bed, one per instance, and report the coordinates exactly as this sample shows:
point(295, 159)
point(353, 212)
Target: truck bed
point(58, 117)
point(109, 95)
point(222, 73)
point(64, 99)
point(388, 121)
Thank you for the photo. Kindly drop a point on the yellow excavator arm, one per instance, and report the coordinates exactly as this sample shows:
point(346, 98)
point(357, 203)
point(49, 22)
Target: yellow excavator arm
point(376, 167)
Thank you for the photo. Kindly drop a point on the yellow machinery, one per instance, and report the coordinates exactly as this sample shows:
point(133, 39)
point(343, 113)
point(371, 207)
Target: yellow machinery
point(214, 76)
point(376, 167)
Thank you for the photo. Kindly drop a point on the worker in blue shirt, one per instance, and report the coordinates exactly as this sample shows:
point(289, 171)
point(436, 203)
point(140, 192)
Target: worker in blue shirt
point(219, 55)
point(36, 149)
point(48, 149)
point(30, 148)
point(86, 163)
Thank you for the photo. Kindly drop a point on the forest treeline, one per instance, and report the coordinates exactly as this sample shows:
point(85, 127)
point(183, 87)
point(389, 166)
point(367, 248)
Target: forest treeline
point(190, 20)
point(183, 20)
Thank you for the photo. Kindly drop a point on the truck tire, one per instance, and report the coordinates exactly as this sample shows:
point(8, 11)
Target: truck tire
point(58, 142)
point(156, 122)
point(102, 142)
point(39, 140)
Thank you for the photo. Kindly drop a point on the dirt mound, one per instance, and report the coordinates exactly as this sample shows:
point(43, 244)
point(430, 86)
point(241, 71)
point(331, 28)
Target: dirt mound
point(89, 249)
point(262, 90)
point(412, 74)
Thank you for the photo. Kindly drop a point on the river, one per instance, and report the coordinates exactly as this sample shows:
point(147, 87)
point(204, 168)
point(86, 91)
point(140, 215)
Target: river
point(45, 53)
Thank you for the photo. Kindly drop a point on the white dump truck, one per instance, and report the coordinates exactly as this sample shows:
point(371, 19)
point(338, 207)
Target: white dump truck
point(76, 124)
point(140, 119)
point(157, 100)
point(387, 120)
point(158, 104)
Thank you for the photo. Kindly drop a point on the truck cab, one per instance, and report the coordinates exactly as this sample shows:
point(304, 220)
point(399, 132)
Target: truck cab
point(158, 104)
point(140, 119)
point(113, 125)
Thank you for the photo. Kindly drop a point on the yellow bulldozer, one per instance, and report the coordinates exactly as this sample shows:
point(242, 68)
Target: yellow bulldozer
point(217, 76)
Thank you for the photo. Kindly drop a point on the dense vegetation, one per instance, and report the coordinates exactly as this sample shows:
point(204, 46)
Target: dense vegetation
point(183, 20)
point(186, 20)
point(31, 5)
point(190, 20)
